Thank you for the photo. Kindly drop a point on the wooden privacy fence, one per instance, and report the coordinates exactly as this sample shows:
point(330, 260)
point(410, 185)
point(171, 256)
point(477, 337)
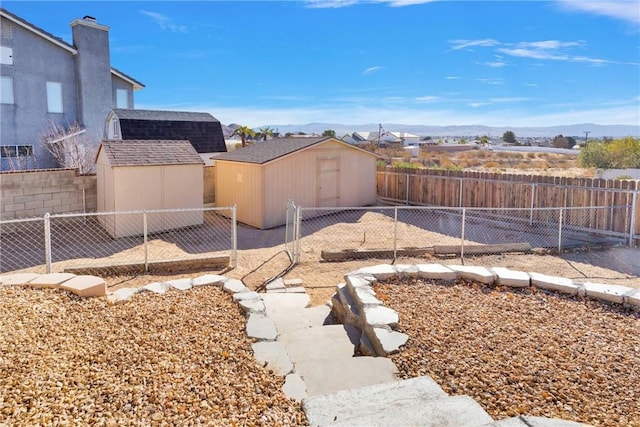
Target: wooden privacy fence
point(615, 203)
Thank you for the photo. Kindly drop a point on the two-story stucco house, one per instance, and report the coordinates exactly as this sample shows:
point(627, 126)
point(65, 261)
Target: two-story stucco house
point(45, 80)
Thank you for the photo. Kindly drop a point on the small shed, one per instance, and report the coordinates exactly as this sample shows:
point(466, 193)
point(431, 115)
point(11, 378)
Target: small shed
point(148, 175)
point(201, 129)
point(315, 172)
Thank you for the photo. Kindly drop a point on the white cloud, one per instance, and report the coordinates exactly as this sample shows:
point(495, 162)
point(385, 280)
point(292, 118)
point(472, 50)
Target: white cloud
point(491, 81)
point(509, 99)
point(372, 70)
point(327, 4)
point(533, 53)
point(402, 3)
point(164, 22)
point(549, 44)
point(624, 10)
point(426, 99)
point(465, 44)
point(495, 64)
point(452, 77)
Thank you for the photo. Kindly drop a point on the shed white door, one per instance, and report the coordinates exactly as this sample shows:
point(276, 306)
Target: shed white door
point(328, 179)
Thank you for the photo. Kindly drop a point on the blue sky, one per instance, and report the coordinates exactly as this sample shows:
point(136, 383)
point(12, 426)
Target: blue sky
point(500, 63)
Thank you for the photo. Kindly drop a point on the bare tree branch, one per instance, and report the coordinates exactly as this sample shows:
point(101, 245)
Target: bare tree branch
point(70, 146)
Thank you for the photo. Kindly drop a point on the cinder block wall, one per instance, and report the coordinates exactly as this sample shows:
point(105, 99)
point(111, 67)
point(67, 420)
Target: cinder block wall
point(25, 194)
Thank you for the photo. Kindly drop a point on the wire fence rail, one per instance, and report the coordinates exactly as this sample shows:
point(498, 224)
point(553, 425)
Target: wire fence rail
point(393, 230)
point(111, 240)
point(426, 187)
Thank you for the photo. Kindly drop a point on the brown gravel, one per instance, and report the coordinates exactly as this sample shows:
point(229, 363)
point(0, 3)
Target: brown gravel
point(521, 352)
point(177, 359)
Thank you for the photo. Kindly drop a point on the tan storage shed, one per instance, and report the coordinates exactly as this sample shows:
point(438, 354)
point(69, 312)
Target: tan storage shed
point(314, 172)
point(146, 175)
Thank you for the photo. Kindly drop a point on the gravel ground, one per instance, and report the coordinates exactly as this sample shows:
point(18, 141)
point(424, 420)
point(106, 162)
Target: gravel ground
point(177, 359)
point(521, 352)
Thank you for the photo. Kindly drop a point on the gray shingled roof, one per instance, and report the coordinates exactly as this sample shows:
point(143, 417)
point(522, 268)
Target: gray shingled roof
point(174, 116)
point(150, 153)
point(265, 151)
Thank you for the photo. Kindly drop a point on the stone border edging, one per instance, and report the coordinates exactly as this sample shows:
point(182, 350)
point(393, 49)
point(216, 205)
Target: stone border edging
point(355, 302)
point(82, 285)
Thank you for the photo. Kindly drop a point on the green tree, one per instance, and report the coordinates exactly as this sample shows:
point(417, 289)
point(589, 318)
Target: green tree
point(288, 134)
point(621, 153)
point(572, 141)
point(624, 153)
point(243, 132)
point(265, 132)
point(560, 142)
point(484, 140)
point(329, 133)
point(509, 137)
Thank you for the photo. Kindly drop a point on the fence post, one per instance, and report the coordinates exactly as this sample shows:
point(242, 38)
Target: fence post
point(395, 232)
point(386, 183)
point(464, 216)
point(533, 197)
point(460, 195)
point(145, 244)
point(234, 237)
point(47, 241)
point(407, 202)
point(560, 230)
point(634, 217)
point(296, 231)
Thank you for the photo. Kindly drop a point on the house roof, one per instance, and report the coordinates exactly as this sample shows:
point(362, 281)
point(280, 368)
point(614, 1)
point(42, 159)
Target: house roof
point(266, 151)
point(37, 30)
point(149, 153)
point(61, 43)
point(133, 82)
point(160, 115)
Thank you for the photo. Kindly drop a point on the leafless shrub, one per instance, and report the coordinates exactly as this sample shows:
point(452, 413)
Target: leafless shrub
point(69, 145)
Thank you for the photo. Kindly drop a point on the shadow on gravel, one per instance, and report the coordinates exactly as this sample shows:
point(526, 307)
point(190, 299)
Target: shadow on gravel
point(624, 260)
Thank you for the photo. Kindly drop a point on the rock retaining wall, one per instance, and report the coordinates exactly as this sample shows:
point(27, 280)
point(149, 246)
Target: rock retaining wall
point(355, 302)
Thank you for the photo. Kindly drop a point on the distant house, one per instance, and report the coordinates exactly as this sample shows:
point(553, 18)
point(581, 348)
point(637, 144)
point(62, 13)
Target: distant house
point(148, 175)
point(45, 80)
point(201, 129)
point(315, 172)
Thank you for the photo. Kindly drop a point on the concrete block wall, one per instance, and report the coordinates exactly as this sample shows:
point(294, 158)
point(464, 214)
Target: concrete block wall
point(26, 194)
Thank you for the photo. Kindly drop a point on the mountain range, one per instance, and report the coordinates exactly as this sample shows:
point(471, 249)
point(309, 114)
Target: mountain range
point(575, 130)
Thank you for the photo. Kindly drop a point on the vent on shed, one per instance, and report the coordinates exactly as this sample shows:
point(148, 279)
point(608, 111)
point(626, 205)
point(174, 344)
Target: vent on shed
point(7, 31)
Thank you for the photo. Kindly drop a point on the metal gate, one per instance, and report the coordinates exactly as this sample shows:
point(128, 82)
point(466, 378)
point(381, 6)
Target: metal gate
point(291, 238)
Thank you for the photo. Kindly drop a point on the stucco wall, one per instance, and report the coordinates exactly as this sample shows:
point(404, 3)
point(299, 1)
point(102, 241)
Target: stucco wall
point(35, 61)
point(34, 193)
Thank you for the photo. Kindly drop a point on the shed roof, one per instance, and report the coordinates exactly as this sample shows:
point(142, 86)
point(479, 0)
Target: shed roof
point(160, 115)
point(149, 153)
point(266, 151)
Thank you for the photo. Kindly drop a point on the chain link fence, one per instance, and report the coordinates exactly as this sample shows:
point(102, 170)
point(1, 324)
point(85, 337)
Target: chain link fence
point(393, 231)
point(111, 241)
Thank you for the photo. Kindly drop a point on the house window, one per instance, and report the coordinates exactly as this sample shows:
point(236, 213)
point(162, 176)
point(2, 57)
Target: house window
point(122, 98)
point(6, 90)
point(16, 151)
point(54, 97)
point(6, 55)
